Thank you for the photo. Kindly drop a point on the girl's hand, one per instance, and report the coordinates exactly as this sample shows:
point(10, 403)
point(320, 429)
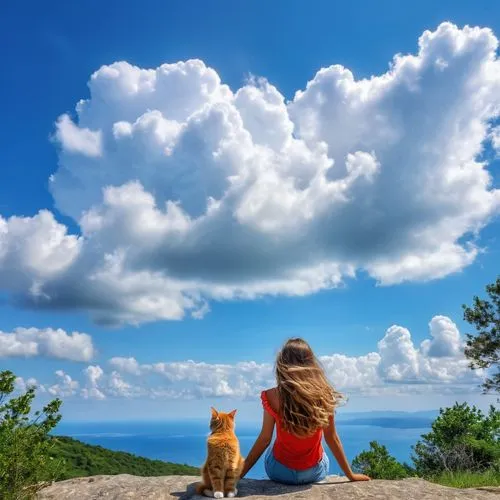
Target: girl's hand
point(359, 477)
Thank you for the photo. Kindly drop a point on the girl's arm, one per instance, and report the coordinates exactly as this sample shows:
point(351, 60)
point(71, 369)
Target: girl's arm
point(261, 443)
point(333, 441)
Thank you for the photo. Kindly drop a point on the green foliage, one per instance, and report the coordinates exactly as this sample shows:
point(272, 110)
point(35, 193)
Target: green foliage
point(25, 461)
point(483, 349)
point(462, 439)
point(489, 477)
point(30, 457)
point(378, 464)
point(82, 459)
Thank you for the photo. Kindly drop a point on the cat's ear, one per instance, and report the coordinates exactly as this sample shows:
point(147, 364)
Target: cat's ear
point(233, 413)
point(215, 413)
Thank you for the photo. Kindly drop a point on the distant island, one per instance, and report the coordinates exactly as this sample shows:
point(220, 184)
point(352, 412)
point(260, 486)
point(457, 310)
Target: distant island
point(391, 422)
point(82, 460)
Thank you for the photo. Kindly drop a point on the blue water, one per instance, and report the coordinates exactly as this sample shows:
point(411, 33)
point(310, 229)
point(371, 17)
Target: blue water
point(184, 442)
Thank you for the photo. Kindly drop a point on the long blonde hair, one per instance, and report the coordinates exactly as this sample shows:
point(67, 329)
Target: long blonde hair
point(307, 400)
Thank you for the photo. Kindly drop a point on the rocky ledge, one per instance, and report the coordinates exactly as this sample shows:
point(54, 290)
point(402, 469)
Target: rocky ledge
point(126, 487)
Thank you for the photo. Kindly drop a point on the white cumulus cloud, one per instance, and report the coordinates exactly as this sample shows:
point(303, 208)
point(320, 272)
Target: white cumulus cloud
point(65, 386)
point(187, 191)
point(439, 359)
point(446, 341)
point(126, 365)
point(398, 366)
point(93, 376)
point(30, 342)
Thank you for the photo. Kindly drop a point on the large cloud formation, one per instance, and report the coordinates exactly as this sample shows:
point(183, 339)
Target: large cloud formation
point(187, 191)
point(397, 367)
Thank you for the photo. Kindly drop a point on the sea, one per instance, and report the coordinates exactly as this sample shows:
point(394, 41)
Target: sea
point(185, 441)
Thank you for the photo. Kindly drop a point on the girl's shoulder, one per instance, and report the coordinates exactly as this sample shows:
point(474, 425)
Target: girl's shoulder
point(270, 398)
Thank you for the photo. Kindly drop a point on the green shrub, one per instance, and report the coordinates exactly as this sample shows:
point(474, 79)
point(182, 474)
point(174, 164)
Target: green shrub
point(462, 439)
point(378, 464)
point(463, 479)
point(25, 460)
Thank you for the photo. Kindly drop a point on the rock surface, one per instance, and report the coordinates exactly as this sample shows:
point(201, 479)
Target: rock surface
point(126, 487)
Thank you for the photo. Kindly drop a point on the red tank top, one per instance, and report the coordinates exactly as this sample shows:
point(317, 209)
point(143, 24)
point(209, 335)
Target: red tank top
point(294, 452)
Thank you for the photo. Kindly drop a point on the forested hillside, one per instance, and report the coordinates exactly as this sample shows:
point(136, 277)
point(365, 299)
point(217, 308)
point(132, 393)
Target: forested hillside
point(82, 459)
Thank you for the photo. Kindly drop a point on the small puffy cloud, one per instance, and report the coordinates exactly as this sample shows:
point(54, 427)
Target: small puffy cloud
point(126, 365)
point(47, 342)
point(65, 386)
point(116, 386)
point(100, 385)
point(93, 376)
point(186, 191)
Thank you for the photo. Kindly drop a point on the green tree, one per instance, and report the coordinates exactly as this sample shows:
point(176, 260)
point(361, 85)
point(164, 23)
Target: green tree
point(483, 348)
point(25, 447)
point(462, 438)
point(379, 464)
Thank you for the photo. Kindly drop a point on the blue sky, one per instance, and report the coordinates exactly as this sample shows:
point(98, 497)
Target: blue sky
point(249, 302)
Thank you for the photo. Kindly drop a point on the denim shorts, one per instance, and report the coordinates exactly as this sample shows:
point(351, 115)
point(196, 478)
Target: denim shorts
point(282, 474)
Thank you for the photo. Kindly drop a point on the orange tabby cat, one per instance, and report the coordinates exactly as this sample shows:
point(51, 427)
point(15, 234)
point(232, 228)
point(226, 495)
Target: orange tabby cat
point(224, 461)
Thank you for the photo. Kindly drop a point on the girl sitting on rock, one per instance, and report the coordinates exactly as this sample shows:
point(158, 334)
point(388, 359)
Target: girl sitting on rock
point(302, 407)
